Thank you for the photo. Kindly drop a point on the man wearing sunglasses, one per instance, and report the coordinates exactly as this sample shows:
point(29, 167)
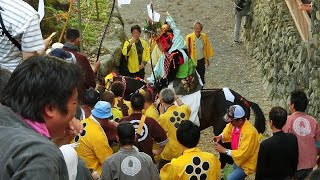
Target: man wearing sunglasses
point(244, 140)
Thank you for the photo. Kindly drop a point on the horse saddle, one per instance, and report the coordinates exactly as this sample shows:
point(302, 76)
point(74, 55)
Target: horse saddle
point(187, 85)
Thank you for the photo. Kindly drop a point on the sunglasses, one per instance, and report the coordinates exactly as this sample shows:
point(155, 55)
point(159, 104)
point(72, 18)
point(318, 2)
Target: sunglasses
point(230, 112)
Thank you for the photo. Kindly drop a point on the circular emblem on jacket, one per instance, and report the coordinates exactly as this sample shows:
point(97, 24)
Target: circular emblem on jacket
point(130, 166)
point(83, 133)
point(301, 126)
point(144, 132)
point(176, 118)
point(198, 169)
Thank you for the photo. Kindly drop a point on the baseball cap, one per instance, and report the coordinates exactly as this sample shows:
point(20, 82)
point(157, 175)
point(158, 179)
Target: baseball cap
point(102, 110)
point(62, 54)
point(234, 112)
point(91, 96)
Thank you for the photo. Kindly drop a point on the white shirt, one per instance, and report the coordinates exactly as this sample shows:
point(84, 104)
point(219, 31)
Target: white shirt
point(22, 22)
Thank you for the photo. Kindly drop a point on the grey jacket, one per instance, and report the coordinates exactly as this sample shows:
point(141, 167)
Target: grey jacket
point(83, 173)
point(25, 154)
point(129, 164)
point(243, 7)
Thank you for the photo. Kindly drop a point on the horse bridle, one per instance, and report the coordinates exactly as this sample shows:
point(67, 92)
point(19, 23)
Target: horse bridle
point(245, 102)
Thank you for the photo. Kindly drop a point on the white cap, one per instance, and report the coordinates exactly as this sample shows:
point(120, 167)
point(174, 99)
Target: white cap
point(234, 112)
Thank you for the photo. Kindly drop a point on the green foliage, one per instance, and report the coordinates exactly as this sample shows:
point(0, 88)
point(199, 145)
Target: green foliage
point(154, 28)
point(54, 15)
point(56, 12)
point(92, 28)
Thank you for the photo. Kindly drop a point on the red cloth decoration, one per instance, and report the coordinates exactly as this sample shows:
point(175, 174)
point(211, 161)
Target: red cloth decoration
point(165, 41)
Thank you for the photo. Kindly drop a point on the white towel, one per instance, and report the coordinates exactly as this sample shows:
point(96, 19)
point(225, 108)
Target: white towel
point(41, 9)
point(227, 93)
point(71, 159)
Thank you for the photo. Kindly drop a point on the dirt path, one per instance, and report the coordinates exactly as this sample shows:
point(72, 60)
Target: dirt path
point(231, 67)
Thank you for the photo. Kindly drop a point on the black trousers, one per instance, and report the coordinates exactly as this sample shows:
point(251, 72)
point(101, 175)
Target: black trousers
point(140, 74)
point(201, 68)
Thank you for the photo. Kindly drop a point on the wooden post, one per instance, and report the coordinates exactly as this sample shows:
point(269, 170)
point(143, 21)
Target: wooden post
point(67, 20)
point(97, 9)
point(80, 23)
point(301, 18)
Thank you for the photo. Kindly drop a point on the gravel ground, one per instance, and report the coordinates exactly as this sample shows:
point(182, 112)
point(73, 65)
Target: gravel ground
point(231, 66)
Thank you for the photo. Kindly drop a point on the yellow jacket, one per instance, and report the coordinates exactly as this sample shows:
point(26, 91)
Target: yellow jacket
point(184, 167)
point(128, 103)
point(117, 114)
point(93, 146)
point(247, 153)
point(152, 112)
point(133, 60)
point(170, 122)
point(208, 51)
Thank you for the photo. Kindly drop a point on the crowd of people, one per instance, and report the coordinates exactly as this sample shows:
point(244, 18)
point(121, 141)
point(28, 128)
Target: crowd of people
point(56, 123)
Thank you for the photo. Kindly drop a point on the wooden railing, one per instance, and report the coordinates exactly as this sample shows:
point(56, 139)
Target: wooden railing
point(301, 18)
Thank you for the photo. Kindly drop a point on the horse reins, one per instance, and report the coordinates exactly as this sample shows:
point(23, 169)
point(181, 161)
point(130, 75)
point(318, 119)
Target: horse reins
point(123, 92)
point(245, 102)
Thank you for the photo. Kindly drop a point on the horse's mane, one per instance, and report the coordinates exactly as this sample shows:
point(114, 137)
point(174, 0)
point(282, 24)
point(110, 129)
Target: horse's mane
point(208, 92)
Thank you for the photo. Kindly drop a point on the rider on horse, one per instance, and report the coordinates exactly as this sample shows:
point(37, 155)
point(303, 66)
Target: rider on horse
point(175, 69)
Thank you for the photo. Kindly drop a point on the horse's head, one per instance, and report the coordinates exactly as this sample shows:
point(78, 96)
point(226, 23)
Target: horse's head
point(129, 85)
point(159, 84)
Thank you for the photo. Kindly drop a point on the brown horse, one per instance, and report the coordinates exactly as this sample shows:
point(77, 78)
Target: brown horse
point(213, 107)
point(213, 104)
point(131, 85)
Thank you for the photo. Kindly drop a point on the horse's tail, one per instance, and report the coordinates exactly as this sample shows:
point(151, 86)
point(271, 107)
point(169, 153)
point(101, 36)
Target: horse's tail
point(260, 120)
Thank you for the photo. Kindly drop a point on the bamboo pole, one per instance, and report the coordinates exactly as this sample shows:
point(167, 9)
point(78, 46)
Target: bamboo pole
point(66, 23)
point(97, 9)
point(80, 23)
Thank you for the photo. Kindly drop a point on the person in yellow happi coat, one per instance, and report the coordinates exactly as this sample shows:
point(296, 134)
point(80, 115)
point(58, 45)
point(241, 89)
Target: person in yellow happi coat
point(194, 163)
point(149, 109)
point(171, 116)
point(200, 49)
point(137, 52)
point(93, 146)
point(244, 140)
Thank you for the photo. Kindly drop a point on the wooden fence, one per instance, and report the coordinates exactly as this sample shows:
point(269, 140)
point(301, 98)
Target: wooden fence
point(301, 19)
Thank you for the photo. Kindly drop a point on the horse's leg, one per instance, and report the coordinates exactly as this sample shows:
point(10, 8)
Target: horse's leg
point(217, 130)
point(213, 108)
point(207, 112)
point(224, 159)
point(219, 124)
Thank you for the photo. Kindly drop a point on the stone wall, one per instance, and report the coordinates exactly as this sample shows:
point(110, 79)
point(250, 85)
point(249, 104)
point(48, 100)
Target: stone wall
point(286, 62)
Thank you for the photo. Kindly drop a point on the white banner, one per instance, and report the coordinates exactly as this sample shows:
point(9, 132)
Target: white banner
point(153, 16)
point(41, 9)
point(120, 2)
